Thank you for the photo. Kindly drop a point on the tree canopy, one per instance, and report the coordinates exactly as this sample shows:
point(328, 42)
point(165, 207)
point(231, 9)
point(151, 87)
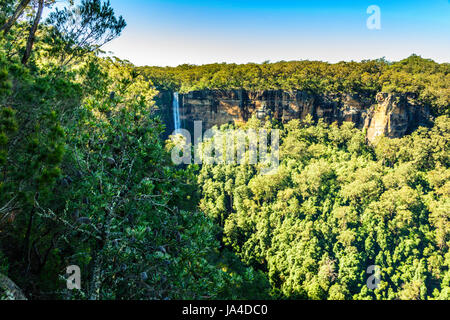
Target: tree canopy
point(335, 207)
point(427, 79)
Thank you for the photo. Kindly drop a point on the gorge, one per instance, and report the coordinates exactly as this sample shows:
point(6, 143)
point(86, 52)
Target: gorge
point(97, 204)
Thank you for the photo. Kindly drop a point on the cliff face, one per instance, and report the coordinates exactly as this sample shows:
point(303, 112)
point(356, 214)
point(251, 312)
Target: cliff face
point(392, 115)
point(163, 103)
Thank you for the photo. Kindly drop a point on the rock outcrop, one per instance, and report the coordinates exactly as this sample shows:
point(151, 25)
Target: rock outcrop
point(394, 116)
point(390, 114)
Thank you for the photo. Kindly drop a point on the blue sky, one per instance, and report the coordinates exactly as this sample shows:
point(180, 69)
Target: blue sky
point(173, 32)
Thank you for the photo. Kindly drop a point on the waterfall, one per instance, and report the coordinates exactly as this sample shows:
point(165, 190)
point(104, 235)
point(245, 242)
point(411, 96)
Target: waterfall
point(176, 112)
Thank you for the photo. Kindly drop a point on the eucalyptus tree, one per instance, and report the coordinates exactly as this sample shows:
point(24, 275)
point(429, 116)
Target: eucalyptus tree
point(76, 30)
point(18, 11)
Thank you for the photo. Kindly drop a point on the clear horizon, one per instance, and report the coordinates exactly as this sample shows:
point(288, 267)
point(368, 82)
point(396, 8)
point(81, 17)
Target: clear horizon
point(175, 32)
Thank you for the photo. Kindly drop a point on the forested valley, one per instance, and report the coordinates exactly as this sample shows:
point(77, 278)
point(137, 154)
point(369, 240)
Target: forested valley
point(87, 181)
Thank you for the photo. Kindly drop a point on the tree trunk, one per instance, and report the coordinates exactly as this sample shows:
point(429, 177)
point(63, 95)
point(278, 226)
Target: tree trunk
point(26, 240)
point(96, 279)
point(17, 13)
point(32, 35)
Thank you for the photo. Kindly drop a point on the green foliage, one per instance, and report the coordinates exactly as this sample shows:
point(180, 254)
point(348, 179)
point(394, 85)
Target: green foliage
point(7, 7)
point(426, 78)
point(125, 193)
point(85, 180)
point(336, 206)
point(78, 30)
point(3, 264)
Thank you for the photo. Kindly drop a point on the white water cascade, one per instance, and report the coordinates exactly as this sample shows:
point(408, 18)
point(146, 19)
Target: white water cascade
point(176, 112)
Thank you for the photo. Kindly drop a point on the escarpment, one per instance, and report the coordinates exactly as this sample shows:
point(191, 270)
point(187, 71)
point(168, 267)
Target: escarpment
point(388, 114)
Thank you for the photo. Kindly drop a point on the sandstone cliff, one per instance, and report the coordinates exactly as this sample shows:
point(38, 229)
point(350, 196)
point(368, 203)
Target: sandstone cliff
point(394, 116)
point(390, 114)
